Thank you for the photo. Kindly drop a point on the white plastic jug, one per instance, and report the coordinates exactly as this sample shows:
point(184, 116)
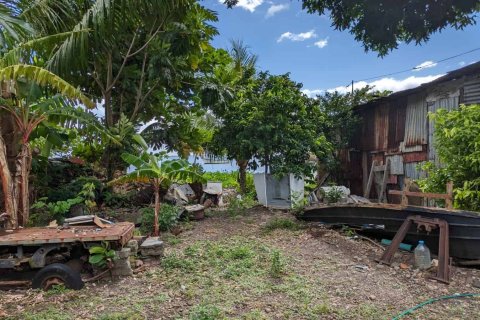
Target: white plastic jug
point(422, 256)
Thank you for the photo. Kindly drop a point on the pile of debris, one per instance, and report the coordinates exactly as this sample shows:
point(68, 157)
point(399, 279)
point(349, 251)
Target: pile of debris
point(194, 205)
point(335, 194)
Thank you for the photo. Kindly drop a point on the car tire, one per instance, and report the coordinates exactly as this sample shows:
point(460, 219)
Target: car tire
point(56, 274)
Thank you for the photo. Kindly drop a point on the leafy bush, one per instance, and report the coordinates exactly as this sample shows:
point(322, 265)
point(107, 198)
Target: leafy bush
point(167, 218)
point(281, 223)
point(101, 256)
point(333, 195)
point(44, 211)
point(457, 135)
point(240, 205)
point(118, 200)
point(229, 180)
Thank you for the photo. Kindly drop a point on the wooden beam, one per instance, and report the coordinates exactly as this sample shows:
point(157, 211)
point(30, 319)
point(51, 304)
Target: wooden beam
point(420, 194)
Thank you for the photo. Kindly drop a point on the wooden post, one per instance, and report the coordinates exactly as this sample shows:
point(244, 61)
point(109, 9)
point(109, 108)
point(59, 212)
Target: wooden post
point(383, 189)
point(406, 187)
point(449, 200)
point(366, 193)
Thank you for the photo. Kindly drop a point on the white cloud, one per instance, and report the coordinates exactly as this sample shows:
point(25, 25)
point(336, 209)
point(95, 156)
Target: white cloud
point(297, 36)
point(425, 65)
point(313, 93)
point(276, 8)
point(321, 43)
point(462, 63)
point(390, 84)
point(249, 5)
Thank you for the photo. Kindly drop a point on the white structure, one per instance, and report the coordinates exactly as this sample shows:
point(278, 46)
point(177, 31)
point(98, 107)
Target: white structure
point(283, 193)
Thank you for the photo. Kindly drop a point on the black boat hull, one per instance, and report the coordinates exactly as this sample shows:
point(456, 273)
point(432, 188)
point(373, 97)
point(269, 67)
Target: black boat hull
point(464, 227)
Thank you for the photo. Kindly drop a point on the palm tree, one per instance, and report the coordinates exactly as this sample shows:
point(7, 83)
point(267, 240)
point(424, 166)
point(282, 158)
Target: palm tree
point(157, 171)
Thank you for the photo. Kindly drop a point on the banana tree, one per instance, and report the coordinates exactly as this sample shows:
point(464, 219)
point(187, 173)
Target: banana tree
point(156, 170)
point(24, 84)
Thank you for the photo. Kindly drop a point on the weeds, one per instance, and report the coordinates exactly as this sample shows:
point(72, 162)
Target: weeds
point(239, 205)
point(277, 267)
point(205, 312)
point(281, 223)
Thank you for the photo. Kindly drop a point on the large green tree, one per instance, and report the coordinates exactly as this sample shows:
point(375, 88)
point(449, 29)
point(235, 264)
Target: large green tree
point(381, 25)
point(137, 58)
point(273, 124)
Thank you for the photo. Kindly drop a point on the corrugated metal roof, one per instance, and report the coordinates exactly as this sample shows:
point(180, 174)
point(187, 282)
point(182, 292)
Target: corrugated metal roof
point(471, 69)
point(416, 121)
point(471, 92)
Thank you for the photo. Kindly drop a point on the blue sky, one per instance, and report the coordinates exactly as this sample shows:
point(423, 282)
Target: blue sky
point(287, 39)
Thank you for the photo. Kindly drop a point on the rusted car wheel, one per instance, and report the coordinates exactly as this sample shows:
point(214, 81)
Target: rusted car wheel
point(55, 274)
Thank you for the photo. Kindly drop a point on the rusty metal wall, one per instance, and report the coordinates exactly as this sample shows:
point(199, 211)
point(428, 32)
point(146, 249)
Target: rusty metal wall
point(416, 121)
point(396, 164)
point(471, 92)
point(396, 124)
point(448, 103)
point(381, 128)
point(412, 172)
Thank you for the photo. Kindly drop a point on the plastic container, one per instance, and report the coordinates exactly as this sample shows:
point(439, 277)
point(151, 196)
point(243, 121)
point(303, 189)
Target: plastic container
point(422, 256)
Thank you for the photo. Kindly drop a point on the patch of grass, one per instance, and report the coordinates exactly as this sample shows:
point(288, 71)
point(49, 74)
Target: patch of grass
point(205, 312)
point(174, 261)
point(281, 223)
point(50, 314)
point(239, 206)
point(121, 316)
point(171, 240)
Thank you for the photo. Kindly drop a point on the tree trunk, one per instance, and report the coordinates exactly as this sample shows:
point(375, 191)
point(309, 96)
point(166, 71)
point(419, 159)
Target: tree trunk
point(22, 175)
point(242, 175)
point(8, 188)
point(156, 230)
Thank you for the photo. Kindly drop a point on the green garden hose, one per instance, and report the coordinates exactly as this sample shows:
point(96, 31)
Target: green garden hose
point(423, 304)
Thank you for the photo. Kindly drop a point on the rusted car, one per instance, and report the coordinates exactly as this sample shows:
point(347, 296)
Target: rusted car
point(44, 257)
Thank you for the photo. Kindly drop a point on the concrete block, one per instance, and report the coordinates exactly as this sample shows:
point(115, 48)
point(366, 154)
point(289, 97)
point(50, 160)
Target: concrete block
point(133, 246)
point(153, 247)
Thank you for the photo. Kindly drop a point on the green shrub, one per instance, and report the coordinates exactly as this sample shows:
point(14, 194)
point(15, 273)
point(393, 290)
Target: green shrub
point(456, 142)
point(240, 205)
point(167, 218)
point(229, 180)
point(333, 195)
point(101, 256)
point(118, 200)
point(281, 223)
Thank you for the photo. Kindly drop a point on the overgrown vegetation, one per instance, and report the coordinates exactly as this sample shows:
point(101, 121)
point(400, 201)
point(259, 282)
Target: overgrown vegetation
point(101, 256)
point(281, 224)
point(167, 218)
point(456, 142)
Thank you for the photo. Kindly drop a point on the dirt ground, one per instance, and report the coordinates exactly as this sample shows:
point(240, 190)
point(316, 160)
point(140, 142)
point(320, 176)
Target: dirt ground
point(259, 265)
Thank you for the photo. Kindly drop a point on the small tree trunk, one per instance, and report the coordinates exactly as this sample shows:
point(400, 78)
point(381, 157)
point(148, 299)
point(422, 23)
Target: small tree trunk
point(242, 175)
point(157, 210)
point(8, 187)
point(22, 183)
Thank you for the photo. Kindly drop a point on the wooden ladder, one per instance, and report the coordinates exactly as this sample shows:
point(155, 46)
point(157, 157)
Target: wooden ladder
point(378, 169)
